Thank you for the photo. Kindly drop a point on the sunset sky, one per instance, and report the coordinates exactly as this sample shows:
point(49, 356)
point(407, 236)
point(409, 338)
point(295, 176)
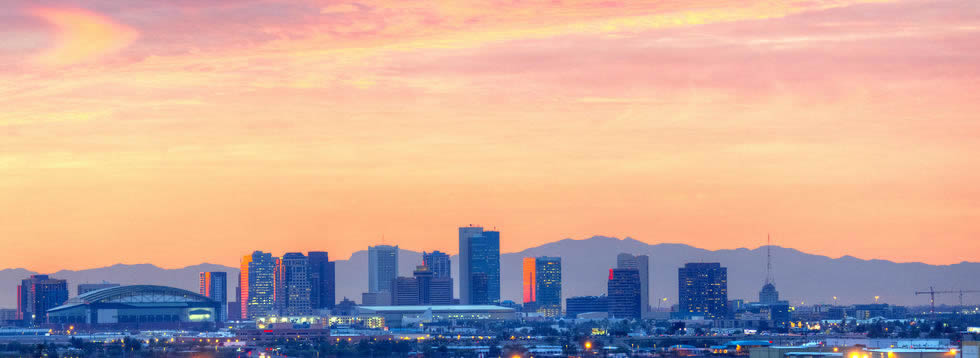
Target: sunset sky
point(177, 132)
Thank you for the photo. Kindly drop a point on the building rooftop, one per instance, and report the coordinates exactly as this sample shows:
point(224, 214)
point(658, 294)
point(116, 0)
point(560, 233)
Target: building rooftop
point(434, 308)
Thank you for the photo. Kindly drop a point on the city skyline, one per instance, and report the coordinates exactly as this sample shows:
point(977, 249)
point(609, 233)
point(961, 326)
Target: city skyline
point(490, 178)
point(451, 253)
point(844, 127)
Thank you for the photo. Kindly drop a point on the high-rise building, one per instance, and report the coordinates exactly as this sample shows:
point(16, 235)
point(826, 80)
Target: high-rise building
point(529, 267)
point(479, 262)
point(642, 264)
point(214, 285)
point(258, 281)
point(293, 285)
point(84, 288)
point(323, 291)
point(423, 279)
point(465, 285)
point(404, 291)
point(37, 294)
point(382, 267)
point(586, 304)
point(548, 285)
point(703, 290)
point(624, 293)
point(439, 263)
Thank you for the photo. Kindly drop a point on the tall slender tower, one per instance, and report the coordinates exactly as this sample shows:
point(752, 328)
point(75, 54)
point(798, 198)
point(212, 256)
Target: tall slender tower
point(465, 275)
point(768, 295)
point(769, 279)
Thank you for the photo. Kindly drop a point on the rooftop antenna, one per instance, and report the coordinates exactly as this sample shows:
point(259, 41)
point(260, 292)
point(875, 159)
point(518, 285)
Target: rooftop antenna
point(769, 279)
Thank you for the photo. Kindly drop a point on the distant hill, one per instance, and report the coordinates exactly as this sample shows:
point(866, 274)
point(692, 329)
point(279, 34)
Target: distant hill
point(585, 265)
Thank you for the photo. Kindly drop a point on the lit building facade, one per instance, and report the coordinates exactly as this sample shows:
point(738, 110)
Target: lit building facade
point(258, 280)
point(293, 285)
point(548, 286)
point(703, 290)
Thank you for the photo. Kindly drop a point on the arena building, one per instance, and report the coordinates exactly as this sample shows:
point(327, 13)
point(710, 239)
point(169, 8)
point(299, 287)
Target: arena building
point(137, 306)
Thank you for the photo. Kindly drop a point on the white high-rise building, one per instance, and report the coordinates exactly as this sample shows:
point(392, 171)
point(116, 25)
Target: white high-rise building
point(382, 267)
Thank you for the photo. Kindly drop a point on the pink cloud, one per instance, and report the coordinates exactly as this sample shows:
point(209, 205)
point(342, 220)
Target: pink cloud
point(82, 36)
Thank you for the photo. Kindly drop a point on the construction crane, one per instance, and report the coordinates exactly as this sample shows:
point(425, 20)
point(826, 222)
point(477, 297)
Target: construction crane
point(932, 295)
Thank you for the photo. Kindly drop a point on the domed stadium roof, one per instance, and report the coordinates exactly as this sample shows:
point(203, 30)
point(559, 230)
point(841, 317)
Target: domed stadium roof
point(135, 294)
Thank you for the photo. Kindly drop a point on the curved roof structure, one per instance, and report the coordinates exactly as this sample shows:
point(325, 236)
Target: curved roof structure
point(135, 294)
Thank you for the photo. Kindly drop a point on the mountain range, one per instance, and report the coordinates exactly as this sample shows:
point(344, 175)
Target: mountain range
point(799, 277)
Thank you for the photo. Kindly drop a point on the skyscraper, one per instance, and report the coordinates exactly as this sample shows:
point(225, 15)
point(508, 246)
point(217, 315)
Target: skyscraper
point(258, 284)
point(423, 278)
point(479, 263)
point(642, 264)
point(529, 269)
point(322, 280)
point(548, 285)
point(439, 263)
point(465, 276)
point(214, 285)
point(37, 294)
point(382, 267)
point(293, 285)
point(703, 290)
point(624, 293)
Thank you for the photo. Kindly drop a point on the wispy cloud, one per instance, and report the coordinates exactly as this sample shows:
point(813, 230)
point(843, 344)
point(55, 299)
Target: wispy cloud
point(81, 36)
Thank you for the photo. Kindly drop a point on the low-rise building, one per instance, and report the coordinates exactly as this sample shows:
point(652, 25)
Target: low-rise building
point(400, 316)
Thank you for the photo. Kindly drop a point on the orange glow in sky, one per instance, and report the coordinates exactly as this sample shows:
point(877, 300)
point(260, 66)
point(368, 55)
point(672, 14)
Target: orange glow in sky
point(181, 132)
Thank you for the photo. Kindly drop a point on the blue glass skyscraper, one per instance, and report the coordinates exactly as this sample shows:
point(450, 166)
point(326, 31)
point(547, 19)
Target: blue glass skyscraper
point(479, 266)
